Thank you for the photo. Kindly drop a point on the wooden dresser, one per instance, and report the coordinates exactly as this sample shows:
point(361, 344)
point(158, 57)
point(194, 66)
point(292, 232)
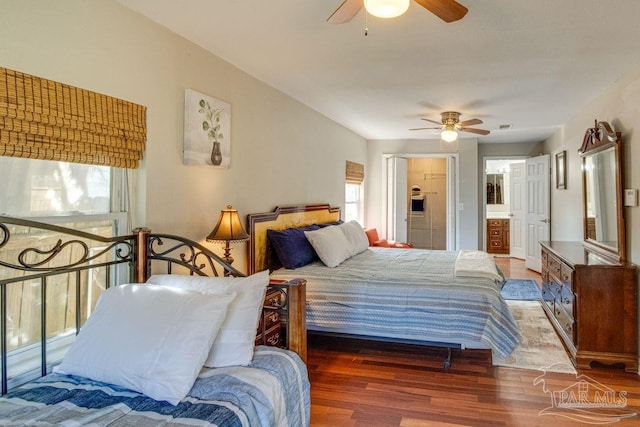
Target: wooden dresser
point(498, 235)
point(270, 323)
point(283, 321)
point(592, 303)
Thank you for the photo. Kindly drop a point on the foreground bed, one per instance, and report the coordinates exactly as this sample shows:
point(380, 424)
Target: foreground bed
point(409, 295)
point(164, 334)
point(271, 391)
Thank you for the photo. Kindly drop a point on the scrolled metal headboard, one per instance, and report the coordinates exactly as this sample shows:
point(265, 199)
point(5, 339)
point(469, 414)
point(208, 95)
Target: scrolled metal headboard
point(73, 256)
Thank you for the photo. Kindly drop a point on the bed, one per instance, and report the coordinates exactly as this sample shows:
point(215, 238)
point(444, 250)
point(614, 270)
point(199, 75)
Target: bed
point(406, 295)
point(168, 340)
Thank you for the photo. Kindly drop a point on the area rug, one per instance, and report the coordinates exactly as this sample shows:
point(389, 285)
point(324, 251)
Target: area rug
point(521, 290)
point(540, 348)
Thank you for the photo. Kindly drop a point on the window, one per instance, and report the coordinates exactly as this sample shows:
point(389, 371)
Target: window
point(79, 196)
point(354, 174)
point(353, 202)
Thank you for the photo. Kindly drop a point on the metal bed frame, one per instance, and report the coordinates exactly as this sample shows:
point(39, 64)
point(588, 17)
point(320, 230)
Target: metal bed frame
point(134, 253)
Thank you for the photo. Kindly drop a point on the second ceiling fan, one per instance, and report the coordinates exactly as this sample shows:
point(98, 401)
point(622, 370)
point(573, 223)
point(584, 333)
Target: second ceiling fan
point(447, 10)
point(450, 125)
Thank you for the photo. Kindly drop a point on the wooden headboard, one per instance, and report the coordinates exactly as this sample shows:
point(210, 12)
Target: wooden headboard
point(260, 257)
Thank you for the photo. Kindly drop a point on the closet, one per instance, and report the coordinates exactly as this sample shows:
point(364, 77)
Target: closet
point(427, 189)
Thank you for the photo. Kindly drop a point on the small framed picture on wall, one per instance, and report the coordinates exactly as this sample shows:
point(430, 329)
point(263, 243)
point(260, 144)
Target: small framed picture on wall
point(561, 170)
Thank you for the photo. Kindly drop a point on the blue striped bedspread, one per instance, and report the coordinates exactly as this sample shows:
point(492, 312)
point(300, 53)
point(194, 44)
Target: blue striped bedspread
point(407, 294)
point(272, 391)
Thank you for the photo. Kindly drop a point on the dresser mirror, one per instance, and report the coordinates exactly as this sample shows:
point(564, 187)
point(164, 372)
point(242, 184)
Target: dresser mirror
point(495, 189)
point(603, 219)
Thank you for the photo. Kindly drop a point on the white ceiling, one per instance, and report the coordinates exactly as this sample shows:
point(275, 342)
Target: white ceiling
point(531, 64)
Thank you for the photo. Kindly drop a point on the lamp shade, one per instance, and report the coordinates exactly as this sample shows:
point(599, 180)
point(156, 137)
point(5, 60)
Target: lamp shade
point(229, 228)
point(449, 135)
point(386, 8)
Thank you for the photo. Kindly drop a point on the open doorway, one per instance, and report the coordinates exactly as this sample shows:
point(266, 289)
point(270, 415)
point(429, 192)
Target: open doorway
point(504, 206)
point(421, 200)
point(427, 219)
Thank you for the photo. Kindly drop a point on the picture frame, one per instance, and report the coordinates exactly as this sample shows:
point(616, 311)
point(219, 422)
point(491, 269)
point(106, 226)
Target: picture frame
point(207, 130)
point(561, 170)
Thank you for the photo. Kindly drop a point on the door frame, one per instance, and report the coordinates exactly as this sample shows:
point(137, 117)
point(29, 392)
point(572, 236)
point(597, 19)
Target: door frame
point(483, 225)
point(453, 193)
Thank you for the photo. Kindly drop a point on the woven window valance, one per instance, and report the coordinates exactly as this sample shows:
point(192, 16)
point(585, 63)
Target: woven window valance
point(43, 119)
point(354, 172)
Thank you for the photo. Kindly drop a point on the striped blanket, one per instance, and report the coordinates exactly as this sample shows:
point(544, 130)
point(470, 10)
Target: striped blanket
point(272, 391)
point(408, 294)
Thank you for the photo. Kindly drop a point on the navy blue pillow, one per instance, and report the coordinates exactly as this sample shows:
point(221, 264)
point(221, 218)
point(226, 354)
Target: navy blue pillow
point(327, 224)
point(292, 247)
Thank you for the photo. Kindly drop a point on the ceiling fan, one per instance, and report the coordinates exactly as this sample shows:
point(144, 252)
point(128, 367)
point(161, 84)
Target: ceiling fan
point(447, 10)
point(450, 125)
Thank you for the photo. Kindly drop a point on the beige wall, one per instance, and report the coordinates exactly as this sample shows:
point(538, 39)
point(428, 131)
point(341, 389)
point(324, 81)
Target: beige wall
point(620, 107)
point(495, 151)
point(467, 152)
point(282, 151)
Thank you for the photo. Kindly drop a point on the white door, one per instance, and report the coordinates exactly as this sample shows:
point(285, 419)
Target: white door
point(397, 199)
point(538, 212)
point(518, 214)
point(452, 211)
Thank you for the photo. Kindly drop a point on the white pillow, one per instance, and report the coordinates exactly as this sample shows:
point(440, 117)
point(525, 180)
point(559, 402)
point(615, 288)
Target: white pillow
point(330, 244)
point(234, 344)
point(356, 236)
point(151, 339)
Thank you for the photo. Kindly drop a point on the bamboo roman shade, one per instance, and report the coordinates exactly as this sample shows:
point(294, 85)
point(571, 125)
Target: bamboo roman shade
point(354, 172)
point(43, 119)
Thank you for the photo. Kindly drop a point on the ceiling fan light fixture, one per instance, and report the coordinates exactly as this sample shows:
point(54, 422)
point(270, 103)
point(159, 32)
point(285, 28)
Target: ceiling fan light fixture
point(386, 8)
point(449, 135)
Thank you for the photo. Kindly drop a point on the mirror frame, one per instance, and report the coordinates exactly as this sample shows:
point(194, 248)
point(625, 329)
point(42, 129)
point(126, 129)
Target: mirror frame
point(596, 139)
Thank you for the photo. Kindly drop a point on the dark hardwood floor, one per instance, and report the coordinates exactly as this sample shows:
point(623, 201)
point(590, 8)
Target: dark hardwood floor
point(366, 383)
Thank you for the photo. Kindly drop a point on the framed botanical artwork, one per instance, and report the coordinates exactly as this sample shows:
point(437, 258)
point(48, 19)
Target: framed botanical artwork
point(561, 170)
point(207, 130)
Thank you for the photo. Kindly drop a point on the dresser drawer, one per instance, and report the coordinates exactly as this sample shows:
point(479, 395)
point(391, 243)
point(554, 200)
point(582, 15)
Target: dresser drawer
point(274, 299)
point(565, 321)
point(272, 337)
point(565, 273)
point(496, 222)
point(495, 233)
point(544, 275)
point(548, 298)
point(566, 300)
point(553, 288)
point(495, 244)
point(270, 322)
point(268, 319)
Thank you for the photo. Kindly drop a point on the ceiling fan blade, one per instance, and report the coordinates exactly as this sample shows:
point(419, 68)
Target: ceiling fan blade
point(345, 13)
point(470, 122)
point(478, 131)
point(447, 10)
point(432, 121)
point(424, 128)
